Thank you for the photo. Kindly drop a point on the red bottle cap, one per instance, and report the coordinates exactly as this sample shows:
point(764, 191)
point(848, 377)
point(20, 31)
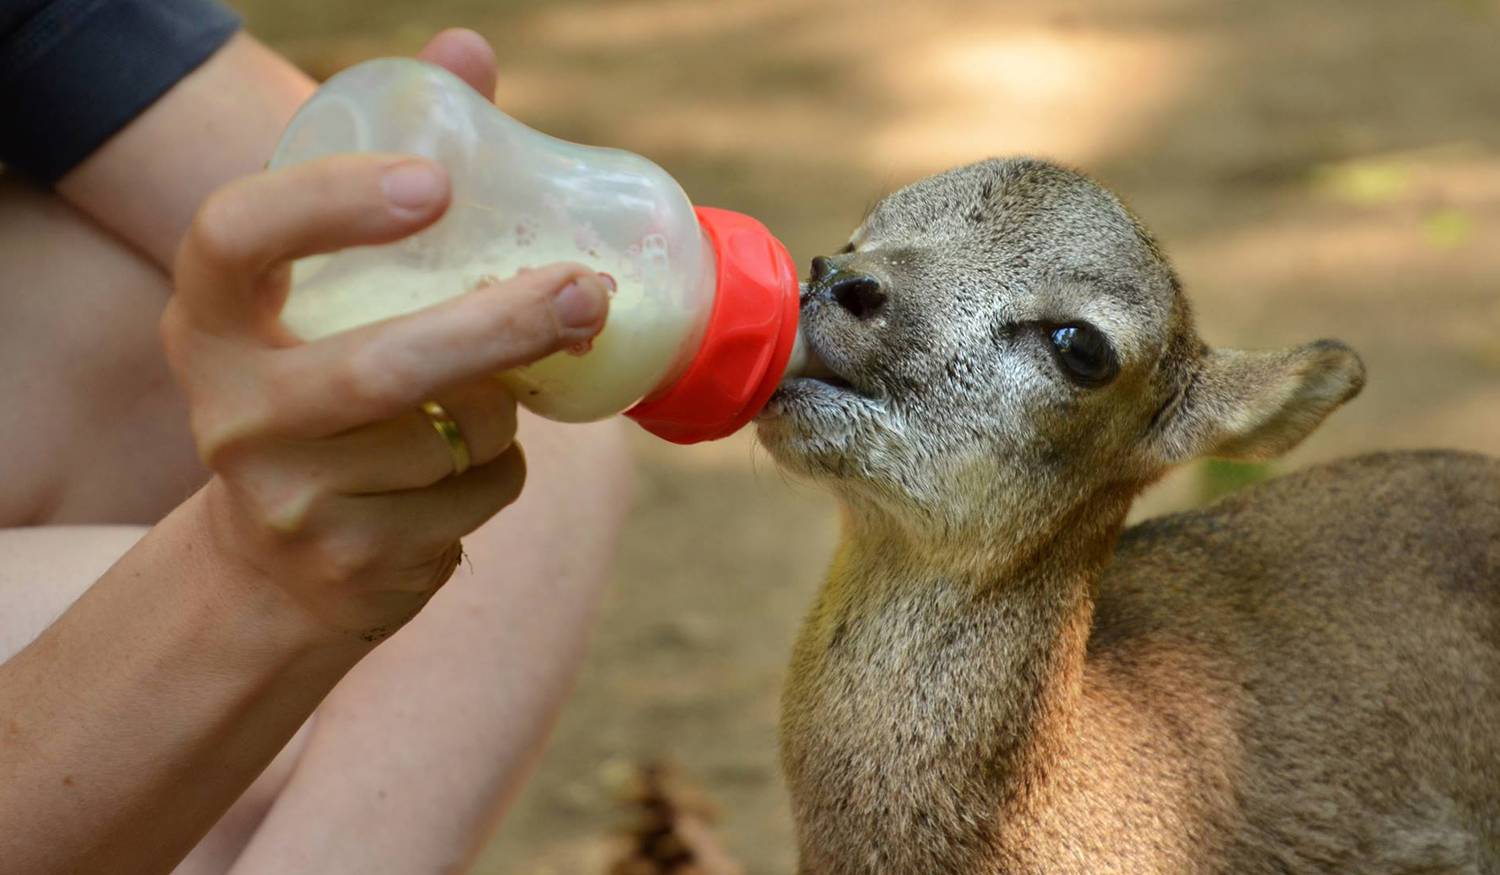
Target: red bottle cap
point(746, 344)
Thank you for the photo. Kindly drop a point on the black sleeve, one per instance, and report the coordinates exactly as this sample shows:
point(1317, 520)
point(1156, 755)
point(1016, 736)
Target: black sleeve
point(74, 72)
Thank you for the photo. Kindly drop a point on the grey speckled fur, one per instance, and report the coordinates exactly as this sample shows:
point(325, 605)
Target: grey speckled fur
point(996, 678)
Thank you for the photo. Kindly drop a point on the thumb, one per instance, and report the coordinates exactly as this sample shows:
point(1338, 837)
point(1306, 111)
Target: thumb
point(466, 55)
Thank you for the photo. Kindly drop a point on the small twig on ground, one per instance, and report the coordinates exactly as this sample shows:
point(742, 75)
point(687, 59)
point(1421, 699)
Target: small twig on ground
point(673, 834)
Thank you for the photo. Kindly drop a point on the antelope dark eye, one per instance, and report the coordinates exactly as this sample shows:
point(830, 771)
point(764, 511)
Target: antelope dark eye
point(1084, 354)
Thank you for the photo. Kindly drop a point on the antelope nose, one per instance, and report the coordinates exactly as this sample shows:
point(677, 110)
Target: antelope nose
point(859, 294)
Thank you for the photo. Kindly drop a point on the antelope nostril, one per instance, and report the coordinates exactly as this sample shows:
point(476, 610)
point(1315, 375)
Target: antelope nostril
point(859, 294)
point(822, 266)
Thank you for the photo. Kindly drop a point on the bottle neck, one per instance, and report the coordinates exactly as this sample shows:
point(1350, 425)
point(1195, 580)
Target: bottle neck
point(747, 342)
point(799, 362)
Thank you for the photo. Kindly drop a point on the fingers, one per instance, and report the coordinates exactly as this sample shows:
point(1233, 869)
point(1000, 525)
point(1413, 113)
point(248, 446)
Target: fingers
point(466, 55)
point(357, 558)
point(388, 369)
point(231, 268)
point(407, 452)
point(446, 511)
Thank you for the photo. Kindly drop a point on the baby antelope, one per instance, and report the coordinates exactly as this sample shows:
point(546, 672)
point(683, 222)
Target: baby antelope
point(998, 677)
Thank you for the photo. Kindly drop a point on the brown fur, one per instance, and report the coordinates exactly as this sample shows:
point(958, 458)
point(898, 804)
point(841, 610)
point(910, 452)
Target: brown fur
point(1304, 677)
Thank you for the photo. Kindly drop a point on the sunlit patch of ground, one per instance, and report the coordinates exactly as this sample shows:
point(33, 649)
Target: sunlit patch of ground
point(1039, 91)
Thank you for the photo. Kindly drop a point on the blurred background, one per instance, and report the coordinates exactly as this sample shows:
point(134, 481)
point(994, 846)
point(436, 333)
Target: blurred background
point(1315, 167)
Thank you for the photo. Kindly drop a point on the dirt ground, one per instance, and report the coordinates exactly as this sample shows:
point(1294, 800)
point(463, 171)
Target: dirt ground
point(1325, 168)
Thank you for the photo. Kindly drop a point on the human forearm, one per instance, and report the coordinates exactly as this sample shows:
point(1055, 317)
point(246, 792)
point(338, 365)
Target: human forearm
point(219, 123)
point(134, 721)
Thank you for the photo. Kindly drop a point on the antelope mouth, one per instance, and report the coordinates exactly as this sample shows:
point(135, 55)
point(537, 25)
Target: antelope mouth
point(820, 383)
point(833, 381)
point(817, 368)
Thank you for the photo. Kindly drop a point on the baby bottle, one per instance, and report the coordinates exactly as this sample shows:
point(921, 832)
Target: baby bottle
point(703, 322)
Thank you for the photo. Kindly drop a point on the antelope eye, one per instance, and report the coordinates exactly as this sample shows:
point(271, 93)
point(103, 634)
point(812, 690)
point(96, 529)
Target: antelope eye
point(1086, 357)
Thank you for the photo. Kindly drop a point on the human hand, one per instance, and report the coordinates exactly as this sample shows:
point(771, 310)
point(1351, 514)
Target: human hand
point(330, 482)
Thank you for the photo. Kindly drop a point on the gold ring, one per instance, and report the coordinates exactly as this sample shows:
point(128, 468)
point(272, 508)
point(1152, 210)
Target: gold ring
point(458, 448)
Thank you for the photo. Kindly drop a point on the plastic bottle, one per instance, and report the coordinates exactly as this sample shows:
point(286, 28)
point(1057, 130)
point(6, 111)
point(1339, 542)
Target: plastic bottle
point(703, 323)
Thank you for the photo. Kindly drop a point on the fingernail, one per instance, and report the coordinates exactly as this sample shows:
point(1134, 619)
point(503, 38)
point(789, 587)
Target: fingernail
point(609, 282)
point(580, 305)
point(413, 185)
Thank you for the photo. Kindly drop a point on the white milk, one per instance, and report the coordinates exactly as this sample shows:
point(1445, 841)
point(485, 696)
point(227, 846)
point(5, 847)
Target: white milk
point(643, 345)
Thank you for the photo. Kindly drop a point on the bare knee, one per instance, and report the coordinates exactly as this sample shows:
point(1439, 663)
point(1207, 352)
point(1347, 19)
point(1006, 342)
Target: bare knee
point(101, 434)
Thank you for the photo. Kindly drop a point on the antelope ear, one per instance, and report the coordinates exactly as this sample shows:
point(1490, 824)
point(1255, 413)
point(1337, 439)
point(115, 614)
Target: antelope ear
point(1243, 404)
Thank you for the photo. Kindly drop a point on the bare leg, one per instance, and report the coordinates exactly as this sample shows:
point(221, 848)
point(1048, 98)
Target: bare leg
point(412, 757)
point(93, 428)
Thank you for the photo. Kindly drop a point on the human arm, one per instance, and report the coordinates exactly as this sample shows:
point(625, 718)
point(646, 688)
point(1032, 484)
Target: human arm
point(225, 118)
point(202, 650)
point(135, 720)
point(134, 110)
point(218, 123)
point(418, 747)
